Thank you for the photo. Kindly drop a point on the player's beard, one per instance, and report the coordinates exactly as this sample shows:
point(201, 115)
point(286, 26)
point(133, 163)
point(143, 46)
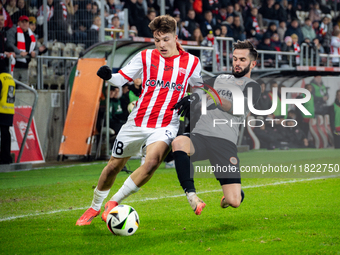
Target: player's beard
point(242, 73)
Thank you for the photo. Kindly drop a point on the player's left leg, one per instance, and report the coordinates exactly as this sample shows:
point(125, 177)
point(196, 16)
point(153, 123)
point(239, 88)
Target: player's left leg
point(155, 154)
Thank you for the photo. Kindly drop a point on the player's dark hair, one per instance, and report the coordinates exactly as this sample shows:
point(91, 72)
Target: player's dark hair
point(163, 24)
point(246, 45)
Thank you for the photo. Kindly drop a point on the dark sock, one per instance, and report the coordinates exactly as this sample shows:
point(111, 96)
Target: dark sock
point(183, 168)
point(242, 195)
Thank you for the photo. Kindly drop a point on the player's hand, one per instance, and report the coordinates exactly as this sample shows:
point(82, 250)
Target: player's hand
point(104, 72)
point(184, 105)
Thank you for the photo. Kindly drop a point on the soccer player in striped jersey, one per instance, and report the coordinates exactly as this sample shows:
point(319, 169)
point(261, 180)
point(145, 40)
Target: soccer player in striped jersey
point(165, 72)
point(217, 142)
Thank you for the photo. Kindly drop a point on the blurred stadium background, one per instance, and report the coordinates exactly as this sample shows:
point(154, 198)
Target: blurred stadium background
point(115, 30)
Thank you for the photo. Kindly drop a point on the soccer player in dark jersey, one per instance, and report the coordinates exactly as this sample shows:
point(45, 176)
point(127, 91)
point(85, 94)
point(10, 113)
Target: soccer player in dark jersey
point(216, 140)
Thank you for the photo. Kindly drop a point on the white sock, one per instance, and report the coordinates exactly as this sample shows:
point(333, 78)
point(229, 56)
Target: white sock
point(190, 194)
point(128, 188)
point(98, 198)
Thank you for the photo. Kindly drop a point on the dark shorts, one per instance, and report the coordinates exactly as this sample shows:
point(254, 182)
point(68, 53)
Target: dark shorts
point(221, 153)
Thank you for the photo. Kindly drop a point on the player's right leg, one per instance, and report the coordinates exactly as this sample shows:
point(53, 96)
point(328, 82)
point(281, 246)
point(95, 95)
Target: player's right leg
point(105, 182)
point(182, 147)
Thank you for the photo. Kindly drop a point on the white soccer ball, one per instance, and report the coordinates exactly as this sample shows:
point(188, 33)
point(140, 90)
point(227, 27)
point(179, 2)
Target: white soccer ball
point(131, 106)
point(122, 220)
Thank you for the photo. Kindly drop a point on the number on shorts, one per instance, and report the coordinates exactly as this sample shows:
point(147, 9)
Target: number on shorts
point(118, 147)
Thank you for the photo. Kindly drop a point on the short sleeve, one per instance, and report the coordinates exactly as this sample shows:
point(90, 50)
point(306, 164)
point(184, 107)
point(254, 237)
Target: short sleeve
point(134, 68)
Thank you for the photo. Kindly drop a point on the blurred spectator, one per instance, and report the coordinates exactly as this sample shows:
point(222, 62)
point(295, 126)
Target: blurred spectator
point(222, 15)
point(272, 28)
point(8, 20)
point(144, 30)
point(281, 30)
point(33, 26)
point(134, 92)
point(50, 21)
point(183, 6)
point(280, 13)
point(320, 93)
point(264, 102)
point(111, 6)
point(137, 12)
point(316, 27)
point(277, 112)
point(265, 44)
point(155, 5)
point(310, 107)
point(93, 32)
point(238, 29)
point(4, 49)
point(230, 10)
point(228, 23)
point(247, 7)
point(11, 7)
point(190, 23)
point(63, 21)
point(320, 49)
point(212, 6)
point(294, 136)
point(207, 24)
point(296, 46)
point(268, 12)
point(291, 12)
point(253, 25)
point(118, 110)
point(270, 136)
point(315, 13)
point(275, 41)
point(326, 29)
point(83, 16)
point(238, 12)
point(294, 28)
point(307, 29)
point(335, 119)
point(116, 25)
point(197, 5)
point(197, 37)
point(207, 55)
point(22, 41)
point(133, 32)
point(287, 46)
point(22, 10)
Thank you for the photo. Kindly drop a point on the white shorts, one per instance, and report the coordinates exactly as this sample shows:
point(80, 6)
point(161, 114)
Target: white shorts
point(131, 138)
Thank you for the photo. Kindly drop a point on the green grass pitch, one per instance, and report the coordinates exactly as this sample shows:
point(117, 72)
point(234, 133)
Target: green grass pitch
point(39, 209)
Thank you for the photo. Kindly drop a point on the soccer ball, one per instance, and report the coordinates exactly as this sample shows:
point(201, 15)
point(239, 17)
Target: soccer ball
point(122, 220)
point(131, 106)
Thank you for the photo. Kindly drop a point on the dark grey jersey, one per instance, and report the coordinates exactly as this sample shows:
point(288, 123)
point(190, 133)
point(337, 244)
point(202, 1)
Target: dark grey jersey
point(219, 123)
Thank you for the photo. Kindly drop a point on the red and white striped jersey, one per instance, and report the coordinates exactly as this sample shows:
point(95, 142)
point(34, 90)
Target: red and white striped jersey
point(335, 48)
point(164, 83)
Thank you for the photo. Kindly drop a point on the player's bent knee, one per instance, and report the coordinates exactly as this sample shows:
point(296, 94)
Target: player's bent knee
point(235, 203)
point(179, 143)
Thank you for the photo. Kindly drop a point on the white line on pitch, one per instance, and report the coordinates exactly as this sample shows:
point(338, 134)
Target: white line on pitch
point(174, 196)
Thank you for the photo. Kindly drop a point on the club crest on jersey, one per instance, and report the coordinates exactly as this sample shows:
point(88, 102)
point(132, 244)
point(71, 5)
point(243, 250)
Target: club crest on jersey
point(182, 71)
point(162, 84)
point(233, 160)
point(168, 133)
